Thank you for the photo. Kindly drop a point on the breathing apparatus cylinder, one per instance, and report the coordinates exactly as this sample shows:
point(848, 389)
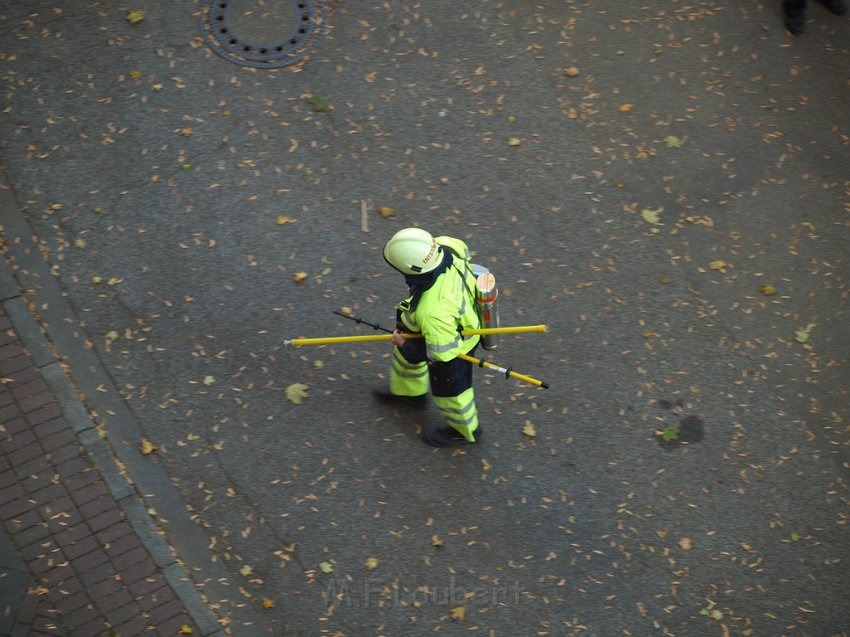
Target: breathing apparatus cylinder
point(486, 295)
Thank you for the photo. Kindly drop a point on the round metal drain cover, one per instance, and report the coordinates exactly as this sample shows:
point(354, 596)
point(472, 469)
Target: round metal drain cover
point(306, 21)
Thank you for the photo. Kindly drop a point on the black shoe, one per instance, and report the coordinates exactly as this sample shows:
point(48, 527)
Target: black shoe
point(795, 17)
point(449, 436)
point(836, 6)
point(383, 393)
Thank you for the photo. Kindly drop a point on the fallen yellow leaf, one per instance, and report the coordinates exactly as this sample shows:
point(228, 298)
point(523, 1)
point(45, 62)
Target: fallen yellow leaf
point(685, 544)
point(268, 603)
point(436, 541)
point(571, 71)
point(719, 264)
point(767, 289)
point(371, 563)
point(458, 613)
point(514, 141)
point(625, 108)
point(528, 429)
point(299, 277)
point(136, 75)
point(803, 334)
point(386, 212)
point(246, 570)
point(186, 629)
point(147, 447)
point(296, 392)
point(135, 16)
point(282, 219)
point(326, 567)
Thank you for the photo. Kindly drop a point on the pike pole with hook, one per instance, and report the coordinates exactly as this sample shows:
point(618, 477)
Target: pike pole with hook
point(507, 371)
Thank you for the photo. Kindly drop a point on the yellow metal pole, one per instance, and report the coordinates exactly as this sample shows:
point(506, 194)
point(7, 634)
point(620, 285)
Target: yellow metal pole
point(331, 340)
point(502, 370)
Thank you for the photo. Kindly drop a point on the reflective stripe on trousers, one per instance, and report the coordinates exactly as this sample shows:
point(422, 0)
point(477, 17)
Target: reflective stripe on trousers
point(460, 412)
point(406, 378)
point(415, 379)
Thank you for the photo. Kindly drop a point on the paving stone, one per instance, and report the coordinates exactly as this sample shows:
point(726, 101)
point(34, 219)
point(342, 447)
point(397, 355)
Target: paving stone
point(90, 560)
point(171, 627)
point(50, 508)
point(31, 535)
point(114, 532)
point(143, 586)
point(89, 492)
point(15, 441)
point(49, 427)
point(12, 365)
point(21, 455)
point(99, 628)
point(122, 545)
point(24, 521)
point(81, 547)
point(36, 401)
point(139, 576)
point(108, 519)
point(93, 508)
point(59, 439)
point(13, 425)
point(130, 558)
point(132, 628)
point(13, 508)
point(51, 493)
point(68, 603)
point(11, 493)
point(48, 412)
point(71, 535)
point(32, 388)
point(69, 468)
point(34, 467)
point(91, 576)
point(117, 599)
point(159, 596)
point(69, 451)
point(123, 614)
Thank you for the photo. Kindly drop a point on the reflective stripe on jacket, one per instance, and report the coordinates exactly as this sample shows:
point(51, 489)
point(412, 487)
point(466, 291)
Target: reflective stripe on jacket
point(446, 307)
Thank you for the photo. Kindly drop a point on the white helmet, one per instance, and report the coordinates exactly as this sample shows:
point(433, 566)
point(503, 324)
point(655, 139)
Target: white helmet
point(413, 251)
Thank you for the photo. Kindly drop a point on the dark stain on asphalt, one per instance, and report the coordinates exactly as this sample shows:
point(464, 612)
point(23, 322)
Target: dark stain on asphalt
point(691, 430)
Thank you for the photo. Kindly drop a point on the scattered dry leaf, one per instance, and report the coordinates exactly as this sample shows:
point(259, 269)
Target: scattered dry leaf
point(296, 393)
point(136, 16)
point(458, 613)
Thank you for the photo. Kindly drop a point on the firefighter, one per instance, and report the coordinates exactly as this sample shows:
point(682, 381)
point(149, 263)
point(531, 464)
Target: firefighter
point(440, 303)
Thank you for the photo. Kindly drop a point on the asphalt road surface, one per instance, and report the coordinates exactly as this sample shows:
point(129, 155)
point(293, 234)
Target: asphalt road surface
point(664, 184)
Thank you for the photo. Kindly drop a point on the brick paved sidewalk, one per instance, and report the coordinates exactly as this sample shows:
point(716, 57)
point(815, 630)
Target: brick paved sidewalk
point(91, 574)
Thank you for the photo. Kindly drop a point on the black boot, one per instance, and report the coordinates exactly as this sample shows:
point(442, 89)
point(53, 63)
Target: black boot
point(838, 7)
point(383, 393)
point(449, 436)
point(795, 16)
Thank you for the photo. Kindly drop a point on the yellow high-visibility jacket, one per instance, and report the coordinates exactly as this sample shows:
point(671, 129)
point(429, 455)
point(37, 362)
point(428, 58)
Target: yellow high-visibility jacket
point(446, 307)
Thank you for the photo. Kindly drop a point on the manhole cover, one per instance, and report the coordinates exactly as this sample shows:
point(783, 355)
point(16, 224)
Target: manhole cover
point(263, 34)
